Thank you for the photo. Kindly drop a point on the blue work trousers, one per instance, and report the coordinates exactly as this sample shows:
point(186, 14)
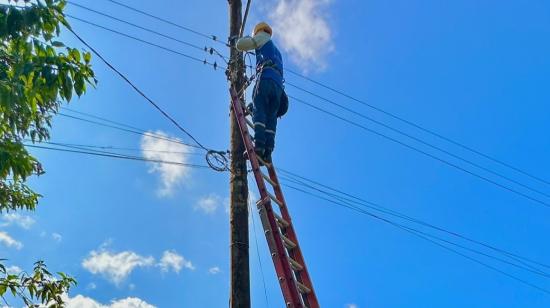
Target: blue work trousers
point(267, 99)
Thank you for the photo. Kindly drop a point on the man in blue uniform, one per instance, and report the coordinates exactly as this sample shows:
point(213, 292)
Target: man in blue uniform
point(268, 90)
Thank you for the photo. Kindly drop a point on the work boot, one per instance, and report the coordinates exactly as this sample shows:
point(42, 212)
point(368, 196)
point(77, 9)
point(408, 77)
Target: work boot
point(259, 152)
point(267, 156)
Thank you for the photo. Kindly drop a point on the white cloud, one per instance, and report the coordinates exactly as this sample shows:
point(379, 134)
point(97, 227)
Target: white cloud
point(164, 150)
point(23, 221)
point(91, 286)
point(172, 261)
point(9, 241)
point(304, 31)
point(57, 237)
point(80, 301)
point(352, 306)
point(214, 270)
point(208, 204)
point(116, 267)
point(13, 270)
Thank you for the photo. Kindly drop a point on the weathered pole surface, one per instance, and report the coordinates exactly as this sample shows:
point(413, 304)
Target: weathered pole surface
point(240, 272)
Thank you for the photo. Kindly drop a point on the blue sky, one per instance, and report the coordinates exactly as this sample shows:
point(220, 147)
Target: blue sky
point(474, 71)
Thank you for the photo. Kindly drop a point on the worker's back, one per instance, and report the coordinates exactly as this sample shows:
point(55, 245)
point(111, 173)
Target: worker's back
point(269, 59)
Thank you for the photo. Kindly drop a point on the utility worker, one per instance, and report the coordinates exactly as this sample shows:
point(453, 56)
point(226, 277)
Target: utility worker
point(268, 90)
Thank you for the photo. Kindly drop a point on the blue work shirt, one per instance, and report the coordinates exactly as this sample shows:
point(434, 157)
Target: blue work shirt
point(273, 70)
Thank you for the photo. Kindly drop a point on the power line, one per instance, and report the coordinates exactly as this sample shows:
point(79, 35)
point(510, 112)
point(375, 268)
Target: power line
point(424, 234)
point(395, 140)
point(361, 201)
point(93, 153)
point(203, 61)
point(409, 146)
point(211, 37)
point(422, 128)
point(347, 201)
point(214, 64)
point(428, 237)
point(419, 140)
point(414, 232)
point(164, 113)
point(136, 26)
point(258, 253)
point(362, 102)
point(137, 132)
point(118, 156)
point(298, 179)
point(384, 210)
point(421, 151)
point(243, 25)
point(116, 148)
point(523, 265)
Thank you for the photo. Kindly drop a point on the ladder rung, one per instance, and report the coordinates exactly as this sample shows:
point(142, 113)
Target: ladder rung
point(262, 162)
point(288, 243)
point(282, 223)
point(302, 288)
point(268, 180)
point(249, 123)
point(295, 265)
point(275, 199)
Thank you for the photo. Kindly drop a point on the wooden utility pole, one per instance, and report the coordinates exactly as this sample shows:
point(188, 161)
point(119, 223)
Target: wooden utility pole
point(240, 272)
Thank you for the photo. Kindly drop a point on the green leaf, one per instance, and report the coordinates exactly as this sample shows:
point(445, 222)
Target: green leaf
point(75, 54)
point(13, 290)
point(79, 85)
point(57, 44)
point(87, 57)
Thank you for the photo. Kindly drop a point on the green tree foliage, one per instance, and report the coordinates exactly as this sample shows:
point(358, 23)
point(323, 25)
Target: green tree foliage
point(37, 75)
point(40, 287)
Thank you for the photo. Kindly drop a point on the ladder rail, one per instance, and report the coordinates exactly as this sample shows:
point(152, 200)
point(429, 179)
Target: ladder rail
point(295, 254)
point(283, 269)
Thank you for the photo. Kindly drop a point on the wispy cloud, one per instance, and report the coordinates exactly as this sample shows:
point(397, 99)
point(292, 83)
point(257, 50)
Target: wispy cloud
point(165, 150)
point(173, 261)
point(13, 270)
point(209, 204)
point(214, 270)
point(80, 301)
point(57, 237)
point(9, 241)
point(22, 221)
point(115, 267)
point(352, 306)
point(304, 31)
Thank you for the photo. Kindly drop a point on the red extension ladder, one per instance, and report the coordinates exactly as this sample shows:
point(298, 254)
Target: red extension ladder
point(282, 240)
